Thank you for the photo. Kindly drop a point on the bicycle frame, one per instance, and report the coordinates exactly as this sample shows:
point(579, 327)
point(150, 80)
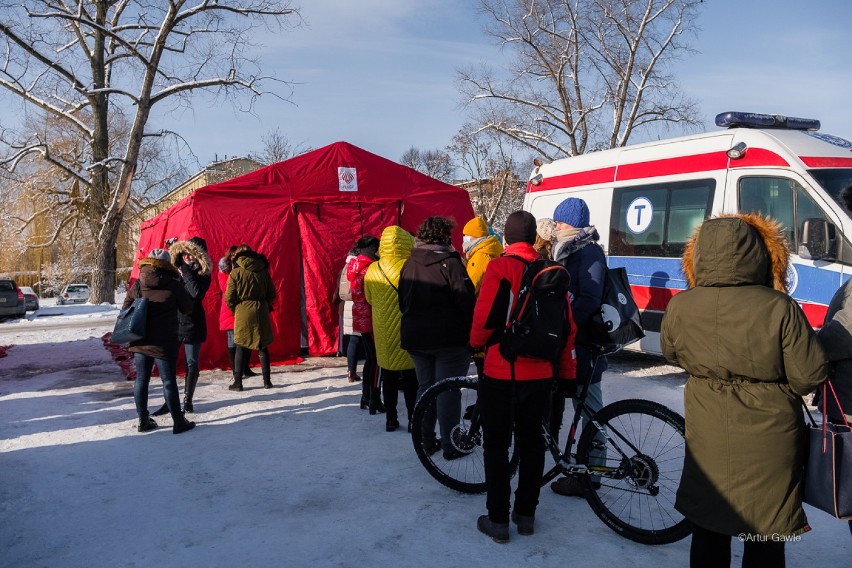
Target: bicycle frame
point(563, 464)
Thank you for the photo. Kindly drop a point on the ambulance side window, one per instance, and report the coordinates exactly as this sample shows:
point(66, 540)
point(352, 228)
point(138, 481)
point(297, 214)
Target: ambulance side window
point(657, 220)
point(770, 196)
point(782, 199)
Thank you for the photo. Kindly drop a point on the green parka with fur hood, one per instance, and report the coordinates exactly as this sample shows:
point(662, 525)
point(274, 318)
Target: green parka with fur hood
point(380, 288)
point(750, 353)
point(250, 294)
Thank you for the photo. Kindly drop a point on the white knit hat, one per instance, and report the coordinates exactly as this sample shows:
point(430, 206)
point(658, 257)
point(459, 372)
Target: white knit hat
point(546, 228)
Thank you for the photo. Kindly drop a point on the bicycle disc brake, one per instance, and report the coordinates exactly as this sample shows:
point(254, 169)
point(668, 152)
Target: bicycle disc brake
point(644, 473)
point(463, 440)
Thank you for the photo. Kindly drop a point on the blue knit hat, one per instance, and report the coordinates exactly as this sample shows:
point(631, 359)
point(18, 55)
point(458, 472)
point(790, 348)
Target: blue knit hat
point(572, 211)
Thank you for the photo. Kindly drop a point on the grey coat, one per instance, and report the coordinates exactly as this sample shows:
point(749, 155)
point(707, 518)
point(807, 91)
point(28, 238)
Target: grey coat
point(836, 339)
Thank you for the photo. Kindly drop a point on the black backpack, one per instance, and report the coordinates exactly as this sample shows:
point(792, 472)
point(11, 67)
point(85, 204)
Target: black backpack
point(538, 325)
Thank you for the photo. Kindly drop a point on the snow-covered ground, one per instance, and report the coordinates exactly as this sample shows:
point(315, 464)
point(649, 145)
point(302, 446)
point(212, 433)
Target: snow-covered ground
point(293, 476)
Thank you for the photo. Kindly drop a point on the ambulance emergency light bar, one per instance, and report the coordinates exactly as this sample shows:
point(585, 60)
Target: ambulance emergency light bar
point(754, 120)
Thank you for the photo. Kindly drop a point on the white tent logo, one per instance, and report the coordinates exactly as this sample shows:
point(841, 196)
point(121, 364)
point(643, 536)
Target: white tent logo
point(347, 179)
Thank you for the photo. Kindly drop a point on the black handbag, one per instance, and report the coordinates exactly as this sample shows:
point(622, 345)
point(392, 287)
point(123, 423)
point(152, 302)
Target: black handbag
point(131, 321)
point(617, 324)
point(828, 473)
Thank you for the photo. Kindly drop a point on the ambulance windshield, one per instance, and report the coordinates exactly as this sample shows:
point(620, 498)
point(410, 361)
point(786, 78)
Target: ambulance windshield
point(833, 180)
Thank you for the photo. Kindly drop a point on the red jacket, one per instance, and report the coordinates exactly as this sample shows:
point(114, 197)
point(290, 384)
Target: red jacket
point(526, 368)
point(362, 312)
point(226, 316)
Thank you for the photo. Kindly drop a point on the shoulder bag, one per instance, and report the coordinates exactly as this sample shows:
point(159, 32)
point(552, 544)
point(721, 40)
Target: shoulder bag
point(618, 323)
point(131, 321)
point(829, 467)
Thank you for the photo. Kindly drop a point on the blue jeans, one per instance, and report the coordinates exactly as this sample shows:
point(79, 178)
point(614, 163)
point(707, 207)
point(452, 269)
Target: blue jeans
point(144, 365)
point(433, 365)
point(231, 343)
point(352, 350)
point(192, 351)
point(594, 402)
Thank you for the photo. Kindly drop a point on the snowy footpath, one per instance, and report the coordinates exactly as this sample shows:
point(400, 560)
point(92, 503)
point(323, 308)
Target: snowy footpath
point(293, 476)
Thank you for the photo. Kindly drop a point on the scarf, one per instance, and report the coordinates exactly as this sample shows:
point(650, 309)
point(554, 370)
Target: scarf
point(473, 243)
point(569, 241)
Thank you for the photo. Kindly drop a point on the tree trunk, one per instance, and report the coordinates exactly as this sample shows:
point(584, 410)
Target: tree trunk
point(103, 273)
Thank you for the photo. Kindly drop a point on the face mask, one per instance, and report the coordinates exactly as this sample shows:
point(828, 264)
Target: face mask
point(466, 239)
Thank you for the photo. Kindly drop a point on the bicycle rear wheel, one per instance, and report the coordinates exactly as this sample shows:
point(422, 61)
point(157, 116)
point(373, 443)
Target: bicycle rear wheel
point(465, 473)
point(638, 446)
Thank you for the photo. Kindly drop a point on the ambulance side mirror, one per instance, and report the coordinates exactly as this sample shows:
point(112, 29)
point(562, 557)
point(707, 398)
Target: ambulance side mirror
point(818, 242)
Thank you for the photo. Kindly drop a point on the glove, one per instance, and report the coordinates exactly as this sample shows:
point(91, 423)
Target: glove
point(565, 387)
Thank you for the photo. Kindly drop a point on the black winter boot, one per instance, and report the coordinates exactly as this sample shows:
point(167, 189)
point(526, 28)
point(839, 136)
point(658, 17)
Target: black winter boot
point(265, 368)
point(146, 423)
point(162, 411)
point(181, 424)
point(189, 391)
point(247, 372)
point(231, 351)
point(237, 385)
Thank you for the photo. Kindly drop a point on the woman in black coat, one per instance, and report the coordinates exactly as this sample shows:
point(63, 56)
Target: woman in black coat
point(436, 298)
point(191, 259)
point(159, 282)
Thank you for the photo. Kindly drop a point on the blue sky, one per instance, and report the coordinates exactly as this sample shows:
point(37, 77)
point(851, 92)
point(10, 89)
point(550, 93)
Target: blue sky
point(381, 73)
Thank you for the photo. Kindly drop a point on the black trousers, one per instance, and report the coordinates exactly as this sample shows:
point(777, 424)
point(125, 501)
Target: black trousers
point(370, 379)
point(713, 550)
point(499, 407)
point(392, 383)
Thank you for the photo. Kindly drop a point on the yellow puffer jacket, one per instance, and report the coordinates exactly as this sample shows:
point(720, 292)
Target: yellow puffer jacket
point(380, 288)
point(479, 257)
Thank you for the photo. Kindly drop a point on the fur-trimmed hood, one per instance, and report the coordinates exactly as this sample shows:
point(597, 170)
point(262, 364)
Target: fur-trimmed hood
point(156, 263)
point(735, 250)
point(251, 260)
point(181, 247)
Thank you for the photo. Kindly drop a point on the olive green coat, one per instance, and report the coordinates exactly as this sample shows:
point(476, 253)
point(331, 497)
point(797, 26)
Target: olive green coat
point(394, 249)
point(750, 353)
point(249, 295)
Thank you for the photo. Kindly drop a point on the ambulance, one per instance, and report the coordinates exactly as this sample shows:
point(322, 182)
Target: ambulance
point(646, 200)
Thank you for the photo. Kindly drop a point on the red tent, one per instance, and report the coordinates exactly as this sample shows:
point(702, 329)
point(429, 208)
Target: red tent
point(304, 214)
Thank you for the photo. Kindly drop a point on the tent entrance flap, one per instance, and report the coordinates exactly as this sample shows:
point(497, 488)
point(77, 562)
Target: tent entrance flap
point(327, 232)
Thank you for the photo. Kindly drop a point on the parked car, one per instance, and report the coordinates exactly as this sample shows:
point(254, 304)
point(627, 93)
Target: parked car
point(30, 298)
point(12, 302)
point(74, 294)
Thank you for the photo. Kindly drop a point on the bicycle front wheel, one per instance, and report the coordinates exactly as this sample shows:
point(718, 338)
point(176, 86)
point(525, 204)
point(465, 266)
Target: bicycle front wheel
point(635, 451)
point(465, 472)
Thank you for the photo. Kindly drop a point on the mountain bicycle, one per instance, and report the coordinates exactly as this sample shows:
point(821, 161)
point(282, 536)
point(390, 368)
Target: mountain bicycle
point(628, 459)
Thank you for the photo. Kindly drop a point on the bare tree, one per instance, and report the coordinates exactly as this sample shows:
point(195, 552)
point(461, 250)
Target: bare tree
point(583, 74)
point(434, 163)
point(277, 147)
point(491, 164)
point(82, 62)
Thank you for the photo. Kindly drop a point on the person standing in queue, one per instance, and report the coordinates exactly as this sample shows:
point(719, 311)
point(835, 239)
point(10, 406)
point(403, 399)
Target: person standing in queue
point(436, 298)
point(577, 249)
point(514, 400)
point(745, 430)
point(362, 321)
point(381, 289)
point(191, 259)
point(158, 282)
point(250, 295)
